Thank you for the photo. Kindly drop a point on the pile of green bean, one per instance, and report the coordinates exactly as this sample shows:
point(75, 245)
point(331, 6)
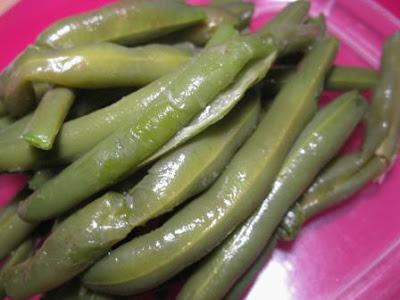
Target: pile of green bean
point(148, 107)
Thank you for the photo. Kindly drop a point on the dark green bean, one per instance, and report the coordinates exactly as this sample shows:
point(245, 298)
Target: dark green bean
point(126, 22)
point(99, 65)
point(200, 226)
point(48, 118)
point(316, 145)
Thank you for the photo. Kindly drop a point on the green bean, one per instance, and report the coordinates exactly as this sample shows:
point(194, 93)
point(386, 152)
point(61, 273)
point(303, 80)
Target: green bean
point(350, 172)
point(318, 142)
point(340, 78)
point(196, 229)
point(126, 22)
point(19, 255)
point(99, 65)
point(80, 135)
point(254, 73)
point(308, 207)
point(41, 88)
point(191, 169)
point(223, 33)
point(383, 109)
point(238, 290)
point(242, 10)
point(48, 118)
point(74, 245)
point(40, 177)
point(147, 199)
point(190, 89)
point(222, 105)
point(13, 230)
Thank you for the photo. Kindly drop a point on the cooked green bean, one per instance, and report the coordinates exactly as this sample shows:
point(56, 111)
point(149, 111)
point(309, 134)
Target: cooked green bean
point(383, 109)
point(308, 207)
point(378, 151)
point(340, 78)
point(80, 135)
point(222, 105)
point(188, 90)
point(238, 290)
point(14, 131)
point(48, 118)
point(13, 230)
point(192, 168)
point(318, 142)
point(99, 65)
point(161, 190)
point(76, 243)
point(126, 22)
point(196, 229)
point(41, 88)
point(19, 255)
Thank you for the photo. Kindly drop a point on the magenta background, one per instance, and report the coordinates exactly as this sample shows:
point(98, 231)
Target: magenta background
point(350, 252)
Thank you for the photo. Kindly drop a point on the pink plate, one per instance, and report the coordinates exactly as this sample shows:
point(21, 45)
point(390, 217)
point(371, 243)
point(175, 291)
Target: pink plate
point(350, 252)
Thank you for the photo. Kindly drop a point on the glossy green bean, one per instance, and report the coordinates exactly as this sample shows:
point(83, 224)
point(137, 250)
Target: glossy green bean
point(19, 255)
point(350, 172)
point(191, 169)
point(310, 206)
point(80, 135)
point(340, 78)
point(126, 22)
point(99, 65)
point(238, 290)
point(73, 246)
point(383, 112)
point(48, 118)
point(200, 226)
point(190, 89)
point(221, 106)
point(13, 230)
point(146, 200)
point(316, 145)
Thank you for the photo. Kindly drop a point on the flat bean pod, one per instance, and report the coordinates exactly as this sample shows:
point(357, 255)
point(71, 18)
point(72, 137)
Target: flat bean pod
point(126, 22)
point(316, 145)
point(191, 88)
point(195, 230)
point(98, 65)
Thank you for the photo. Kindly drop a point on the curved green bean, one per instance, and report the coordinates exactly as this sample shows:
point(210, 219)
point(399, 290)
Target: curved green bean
point(196, 229)
point(99, 65)
point(318, 142)
point(190, 89)
point(48, 118)
point(126, 22)
point(75, 244)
